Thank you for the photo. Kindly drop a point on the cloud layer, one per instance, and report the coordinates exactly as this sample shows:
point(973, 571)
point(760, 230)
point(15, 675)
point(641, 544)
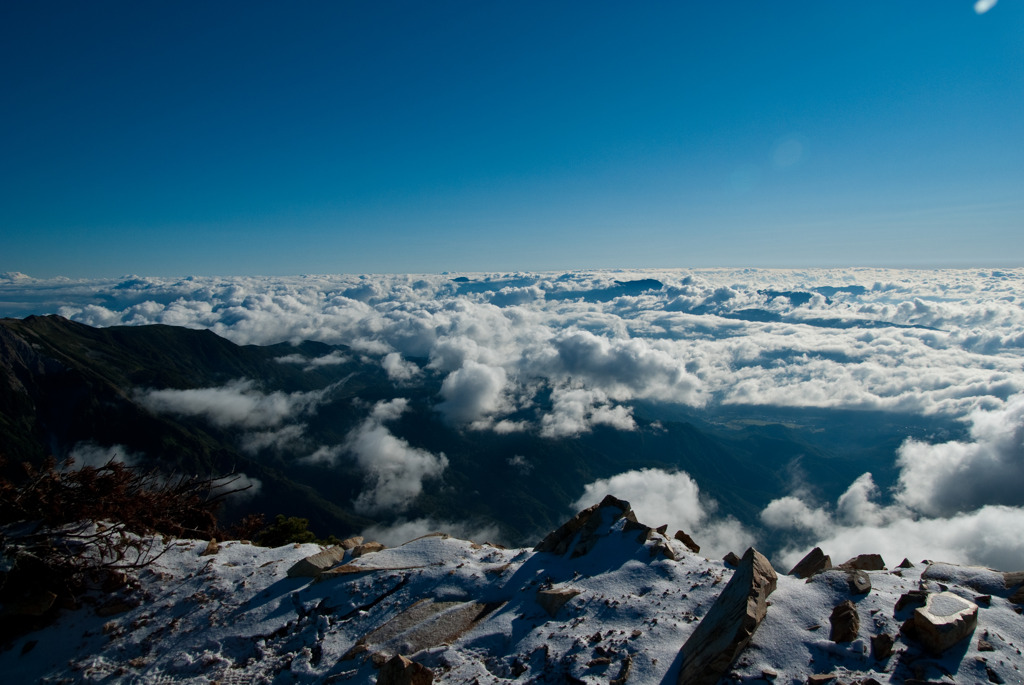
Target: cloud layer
point(590, 346)
point(957, 501)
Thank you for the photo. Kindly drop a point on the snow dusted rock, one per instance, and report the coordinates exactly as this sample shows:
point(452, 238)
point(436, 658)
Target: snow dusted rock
point(730, 623)
point(366, 548)
point(864, 562)
point(579, 534)
point(845, 622)
point(553, 599)
point(425, 624)
point(944, 620)
point(352, 542)
point(401, 671)
point(816, 561)
point(860, 582)
point(313, 566)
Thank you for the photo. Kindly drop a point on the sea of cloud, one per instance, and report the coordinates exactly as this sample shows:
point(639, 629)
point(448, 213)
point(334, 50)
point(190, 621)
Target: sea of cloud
point(945, 343)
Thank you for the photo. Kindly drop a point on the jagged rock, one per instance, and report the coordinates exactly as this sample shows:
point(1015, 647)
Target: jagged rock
point(1018, 596)
point(864, 562)
point(730, 623)
point(579, 534)
point(664, 549)
point(351, 543)
point(820, 678)
point(881, 646)
point(944, 620)
point(910, 598)
point(731, 559)
point(906, 563)
point(662, 529)
point(688, 541)
point(366, 548)
point(401, 671)
point(845, 622)
point(211, 548)
point(553, 599)
point(816, 561)
point(860, 582)
point(313, 566)
point(631, 526)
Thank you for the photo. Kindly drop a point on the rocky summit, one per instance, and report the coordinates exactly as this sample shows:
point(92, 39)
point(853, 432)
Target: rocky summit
point(602, 599)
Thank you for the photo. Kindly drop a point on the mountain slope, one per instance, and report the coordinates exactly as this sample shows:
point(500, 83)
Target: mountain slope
point(476, 613)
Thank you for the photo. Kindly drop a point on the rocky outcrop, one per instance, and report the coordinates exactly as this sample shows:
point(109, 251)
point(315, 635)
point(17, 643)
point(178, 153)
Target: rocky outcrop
point(351, 543)
point(944, 620)
point(401, 671)
point(313, 566)
point(366, 548)
point(816, 561)
point(579, 534)
point(730, 623)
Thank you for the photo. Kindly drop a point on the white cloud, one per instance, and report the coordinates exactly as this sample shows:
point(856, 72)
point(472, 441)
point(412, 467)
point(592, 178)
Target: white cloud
point(982, 6)
point(957, 501)
point(944, 478)
point(792, 513)
point(334, 358)
point(238, 403)
point(472, 392)
point(576, 411)
point(276, 439)
point(665, 497)
point(399, 369)
point(395, 470)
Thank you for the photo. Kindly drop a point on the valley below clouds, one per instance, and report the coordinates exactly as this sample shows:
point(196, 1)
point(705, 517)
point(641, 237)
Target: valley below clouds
point(557, 356)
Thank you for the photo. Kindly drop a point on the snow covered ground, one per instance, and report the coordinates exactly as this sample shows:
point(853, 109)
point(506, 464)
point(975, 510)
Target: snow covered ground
point(236, 617)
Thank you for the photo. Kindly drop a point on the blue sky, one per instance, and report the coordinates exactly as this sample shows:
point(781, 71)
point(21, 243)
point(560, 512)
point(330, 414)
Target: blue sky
point(263, 138)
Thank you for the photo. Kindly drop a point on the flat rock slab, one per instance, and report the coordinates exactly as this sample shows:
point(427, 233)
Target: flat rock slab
point(426, 624)
point(730, 623)
point(944, 620)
